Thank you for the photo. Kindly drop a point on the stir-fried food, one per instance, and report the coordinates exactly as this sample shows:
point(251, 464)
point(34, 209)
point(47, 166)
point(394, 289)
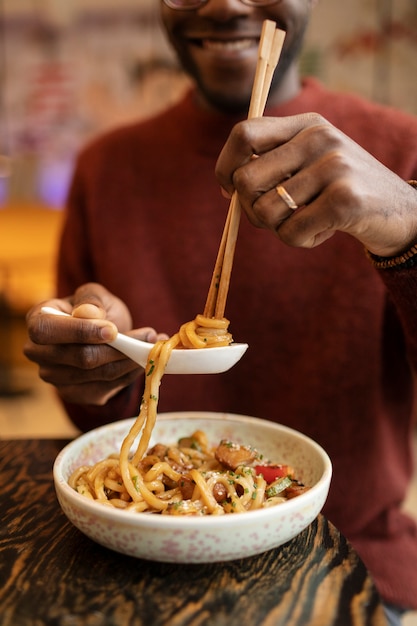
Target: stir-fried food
point(190, 478)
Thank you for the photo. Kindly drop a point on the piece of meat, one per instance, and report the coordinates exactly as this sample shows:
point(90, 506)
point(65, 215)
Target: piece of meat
point(186, 485)
point(158, 450)
point(219, 492)
point(294, 491)
point(231, 454)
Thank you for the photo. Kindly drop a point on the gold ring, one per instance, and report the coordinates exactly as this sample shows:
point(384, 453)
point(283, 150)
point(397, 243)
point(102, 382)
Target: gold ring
point(289, 201)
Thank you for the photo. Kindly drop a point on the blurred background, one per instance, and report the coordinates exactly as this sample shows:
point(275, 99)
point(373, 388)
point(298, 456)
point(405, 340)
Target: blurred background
point(70, 69)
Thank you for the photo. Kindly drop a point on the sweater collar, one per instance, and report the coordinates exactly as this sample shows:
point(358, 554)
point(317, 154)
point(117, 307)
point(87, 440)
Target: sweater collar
point(207, 130)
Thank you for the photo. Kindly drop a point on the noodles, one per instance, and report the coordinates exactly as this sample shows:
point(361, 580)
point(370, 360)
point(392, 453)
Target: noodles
point(189, 478)
point(203, 332)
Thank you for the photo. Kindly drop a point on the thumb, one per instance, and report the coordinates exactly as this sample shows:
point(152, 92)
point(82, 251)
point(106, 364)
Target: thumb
point(147, 333)
point(89, 310)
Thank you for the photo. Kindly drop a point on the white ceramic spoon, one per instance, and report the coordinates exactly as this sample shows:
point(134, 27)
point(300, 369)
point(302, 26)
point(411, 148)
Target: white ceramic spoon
point(195, 361)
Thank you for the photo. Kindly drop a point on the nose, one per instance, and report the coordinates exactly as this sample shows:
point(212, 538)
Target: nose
point(223, 10)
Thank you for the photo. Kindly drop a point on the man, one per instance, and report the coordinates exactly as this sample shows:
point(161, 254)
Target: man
point(331, 332)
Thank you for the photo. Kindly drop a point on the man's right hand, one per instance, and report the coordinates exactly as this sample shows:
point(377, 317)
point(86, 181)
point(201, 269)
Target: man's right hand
point(72, 352)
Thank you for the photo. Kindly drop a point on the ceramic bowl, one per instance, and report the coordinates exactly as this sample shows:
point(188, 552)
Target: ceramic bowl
point(209, 539)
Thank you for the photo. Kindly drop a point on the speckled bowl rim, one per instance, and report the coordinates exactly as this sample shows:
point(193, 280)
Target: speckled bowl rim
point(148, 520)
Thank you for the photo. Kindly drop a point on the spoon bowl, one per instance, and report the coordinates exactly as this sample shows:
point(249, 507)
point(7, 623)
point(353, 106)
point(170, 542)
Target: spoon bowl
point(181, 361)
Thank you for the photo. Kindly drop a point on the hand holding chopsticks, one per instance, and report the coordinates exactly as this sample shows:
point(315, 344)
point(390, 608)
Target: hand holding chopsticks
point(269, 51)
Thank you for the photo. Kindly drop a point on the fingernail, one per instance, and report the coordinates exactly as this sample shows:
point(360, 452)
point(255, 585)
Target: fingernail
point(108, 333)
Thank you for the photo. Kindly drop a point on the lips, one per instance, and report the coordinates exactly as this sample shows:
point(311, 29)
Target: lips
point(232, 45)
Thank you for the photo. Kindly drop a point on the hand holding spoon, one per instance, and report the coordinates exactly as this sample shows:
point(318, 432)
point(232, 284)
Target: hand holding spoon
point(182, 361)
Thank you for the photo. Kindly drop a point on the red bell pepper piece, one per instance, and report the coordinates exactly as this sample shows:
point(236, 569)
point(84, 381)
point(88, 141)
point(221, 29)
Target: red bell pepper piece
point(272, 472)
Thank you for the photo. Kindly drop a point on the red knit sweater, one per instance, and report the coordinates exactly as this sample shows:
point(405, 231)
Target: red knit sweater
point(327, 351)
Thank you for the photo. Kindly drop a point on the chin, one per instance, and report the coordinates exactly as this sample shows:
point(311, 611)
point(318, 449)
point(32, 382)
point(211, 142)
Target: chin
point(233, 103)
point(230, 106)
point(222, 84)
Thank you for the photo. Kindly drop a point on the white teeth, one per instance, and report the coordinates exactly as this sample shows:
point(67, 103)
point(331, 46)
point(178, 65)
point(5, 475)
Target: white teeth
point(215, 44)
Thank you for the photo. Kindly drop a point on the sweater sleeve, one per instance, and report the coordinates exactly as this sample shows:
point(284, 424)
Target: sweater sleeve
point(402, 287)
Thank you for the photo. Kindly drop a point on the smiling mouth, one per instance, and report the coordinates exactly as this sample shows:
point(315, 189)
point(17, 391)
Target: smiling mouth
point(230, 45)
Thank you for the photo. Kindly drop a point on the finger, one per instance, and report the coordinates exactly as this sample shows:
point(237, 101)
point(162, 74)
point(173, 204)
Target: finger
point(147, 333)
point(259, 136)
point(83, 357)
point(310, 226)
point(89, 301)
point(285, 198)
point(89, 311)
point(84, 371)
point(94, 393)
point(299, 161)
point(45, 328)
point(91, 386)
point(109, 305)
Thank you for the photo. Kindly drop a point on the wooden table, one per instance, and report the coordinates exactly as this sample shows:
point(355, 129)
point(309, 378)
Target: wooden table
point(51, 574)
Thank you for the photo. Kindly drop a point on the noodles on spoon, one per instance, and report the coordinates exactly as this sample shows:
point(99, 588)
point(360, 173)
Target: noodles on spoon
point(189, 478)
point(200, 333)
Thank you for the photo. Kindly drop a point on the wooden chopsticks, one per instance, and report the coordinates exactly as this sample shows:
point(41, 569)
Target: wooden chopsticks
point(269, 51)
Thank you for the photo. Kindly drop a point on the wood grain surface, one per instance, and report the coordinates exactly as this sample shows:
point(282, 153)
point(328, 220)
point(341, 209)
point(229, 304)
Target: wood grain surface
point(51, 574)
